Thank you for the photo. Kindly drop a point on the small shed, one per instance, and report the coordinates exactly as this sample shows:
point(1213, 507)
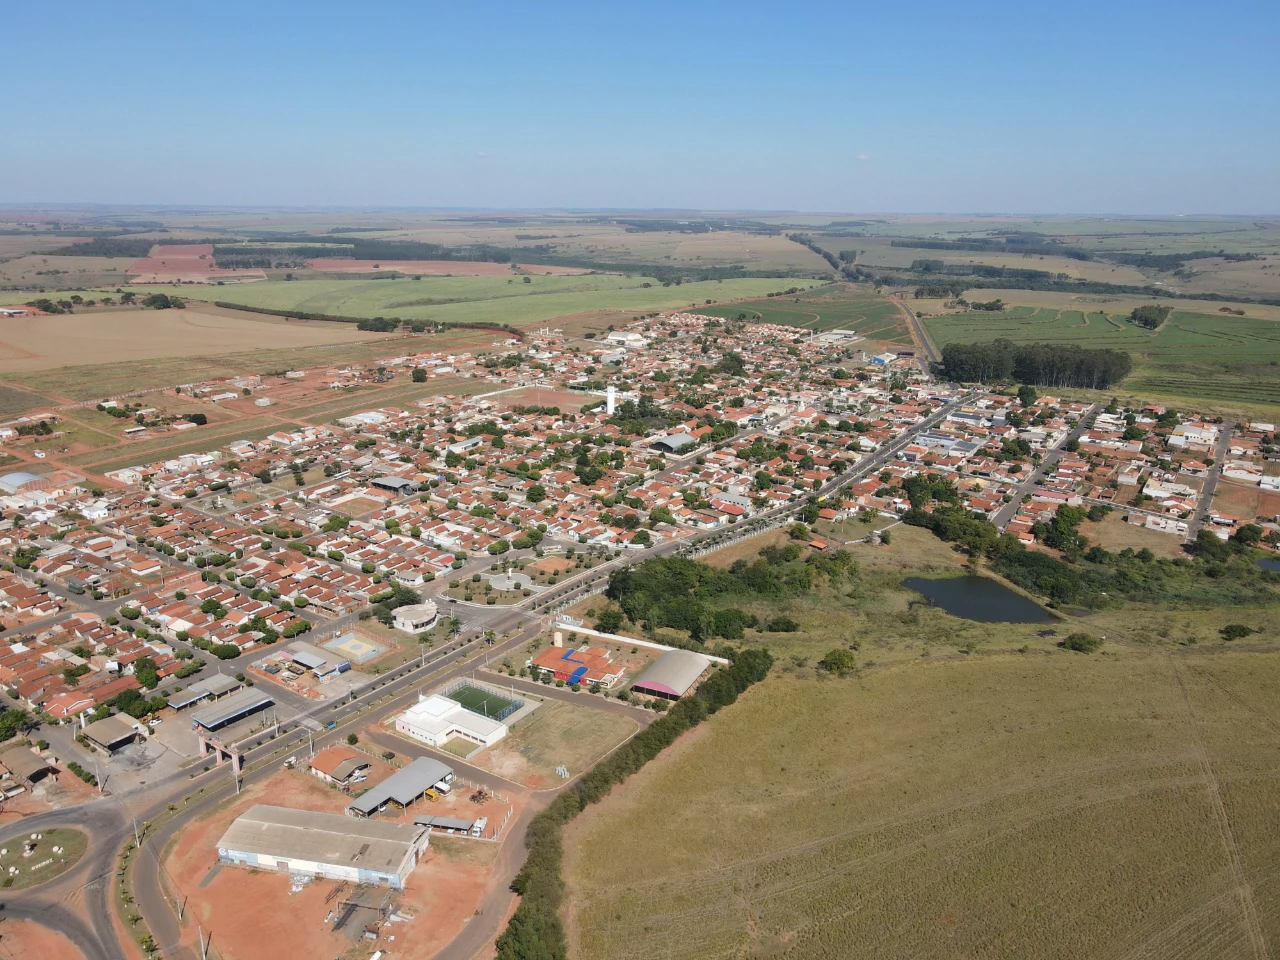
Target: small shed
point(25, 764)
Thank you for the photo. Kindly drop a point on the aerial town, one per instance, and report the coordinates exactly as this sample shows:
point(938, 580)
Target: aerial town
point(258, 605)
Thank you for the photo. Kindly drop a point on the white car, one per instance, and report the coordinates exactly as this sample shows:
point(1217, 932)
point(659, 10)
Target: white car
point(154, 722)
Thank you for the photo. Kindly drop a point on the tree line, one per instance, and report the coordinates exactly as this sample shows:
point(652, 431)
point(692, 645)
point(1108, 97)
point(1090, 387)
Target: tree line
point(997, 245)
point(535, 931)
point(806, 241)
point(379, 324)
point(1044, 364)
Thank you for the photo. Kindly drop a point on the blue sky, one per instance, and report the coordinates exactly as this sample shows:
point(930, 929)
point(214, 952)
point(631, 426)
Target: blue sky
point(1126, 106)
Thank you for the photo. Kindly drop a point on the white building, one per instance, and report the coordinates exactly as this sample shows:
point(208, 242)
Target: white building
point(435, 720)
point(323, 845)
point(416, 617)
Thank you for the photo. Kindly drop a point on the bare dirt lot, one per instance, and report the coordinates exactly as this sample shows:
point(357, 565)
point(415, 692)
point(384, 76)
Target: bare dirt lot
point(253, 913)
point(105, 336)
point(1245, 501)
point(23, 940)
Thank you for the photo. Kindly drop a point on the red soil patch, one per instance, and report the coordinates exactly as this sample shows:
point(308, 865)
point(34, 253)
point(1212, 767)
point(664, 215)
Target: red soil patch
point(437, 268)
point(254, 914)
point(24, 940)
point(190, 262)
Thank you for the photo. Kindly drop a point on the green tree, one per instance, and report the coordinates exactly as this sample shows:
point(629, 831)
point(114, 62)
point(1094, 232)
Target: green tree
point(839, 661)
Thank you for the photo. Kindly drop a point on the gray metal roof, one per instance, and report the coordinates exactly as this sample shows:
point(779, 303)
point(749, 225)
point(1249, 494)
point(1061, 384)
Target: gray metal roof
point(309, 660)
point(12, 481)
point(444, 823)
point(231, 708)
point(327, 838)
point(212, 686)
point(673, 673)
point(675, 441)
point(404, 786)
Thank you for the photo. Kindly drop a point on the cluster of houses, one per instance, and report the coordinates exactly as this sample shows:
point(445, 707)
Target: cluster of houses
point(679, 423)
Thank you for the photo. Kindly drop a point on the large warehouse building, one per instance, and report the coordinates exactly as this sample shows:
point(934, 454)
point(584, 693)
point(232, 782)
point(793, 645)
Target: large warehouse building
point(672, 675)
point(325, 845)
point(436, 720)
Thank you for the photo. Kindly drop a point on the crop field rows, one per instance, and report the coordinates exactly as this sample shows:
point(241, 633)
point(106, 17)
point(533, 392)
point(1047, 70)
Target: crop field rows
point(1050, 806)
point(1192, 355)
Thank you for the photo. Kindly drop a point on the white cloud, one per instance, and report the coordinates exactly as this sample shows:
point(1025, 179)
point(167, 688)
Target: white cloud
point(863, 158)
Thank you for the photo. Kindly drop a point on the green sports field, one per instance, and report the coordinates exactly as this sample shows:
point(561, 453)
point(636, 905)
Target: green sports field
point(1221, 358)
point(480, 701)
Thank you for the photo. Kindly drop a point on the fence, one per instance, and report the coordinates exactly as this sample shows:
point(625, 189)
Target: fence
point(513, 704)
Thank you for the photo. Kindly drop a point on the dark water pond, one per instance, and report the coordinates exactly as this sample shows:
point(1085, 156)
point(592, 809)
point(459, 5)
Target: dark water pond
point(980, 599)
point(1270, 563)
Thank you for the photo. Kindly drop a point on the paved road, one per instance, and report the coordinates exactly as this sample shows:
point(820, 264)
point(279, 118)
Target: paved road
point(1211, 481)
point(921, 335)
point(1005, 514)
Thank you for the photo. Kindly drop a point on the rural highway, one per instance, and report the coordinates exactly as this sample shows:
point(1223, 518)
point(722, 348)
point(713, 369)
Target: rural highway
point(921, 336)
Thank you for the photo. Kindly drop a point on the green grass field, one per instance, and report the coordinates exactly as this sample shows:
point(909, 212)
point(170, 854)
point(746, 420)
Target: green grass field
point(1222, 358)
point(469, 299)
point(480, 701)
point(1045, 806)
point(831, 307)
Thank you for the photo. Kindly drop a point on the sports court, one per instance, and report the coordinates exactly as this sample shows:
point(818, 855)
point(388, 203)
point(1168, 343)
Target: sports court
point(484, 702)
point(356, 649)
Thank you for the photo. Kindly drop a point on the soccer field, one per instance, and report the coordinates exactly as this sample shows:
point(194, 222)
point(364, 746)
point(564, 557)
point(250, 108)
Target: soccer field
point(481, 701)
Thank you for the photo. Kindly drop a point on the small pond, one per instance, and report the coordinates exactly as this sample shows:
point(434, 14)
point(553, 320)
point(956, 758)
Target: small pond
point(980, 599)
point(1270, 563)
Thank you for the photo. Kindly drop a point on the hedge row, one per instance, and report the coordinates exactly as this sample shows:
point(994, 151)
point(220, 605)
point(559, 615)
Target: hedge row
point(535, 931)
point(339, 318)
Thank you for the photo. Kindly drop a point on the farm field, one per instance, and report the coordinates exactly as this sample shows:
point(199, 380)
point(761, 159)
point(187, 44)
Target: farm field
point(89, 381)
point(55, 272)
point(29, 344)
point(492, 299)
point(1042, 805)
point(829, 307)
point(1200, 356)
point(880, 252)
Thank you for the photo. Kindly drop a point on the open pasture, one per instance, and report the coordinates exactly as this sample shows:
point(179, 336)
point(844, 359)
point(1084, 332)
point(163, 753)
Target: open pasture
point(1216, 357)
point(56, 273)
point(29, 344)
point(1046, 806)
point(439, 268)
point(492, 299)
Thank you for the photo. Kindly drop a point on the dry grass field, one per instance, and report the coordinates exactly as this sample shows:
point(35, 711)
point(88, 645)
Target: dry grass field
point(119, 336)
point(56, 273)
point(1112, 533)
point(1045, 805)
